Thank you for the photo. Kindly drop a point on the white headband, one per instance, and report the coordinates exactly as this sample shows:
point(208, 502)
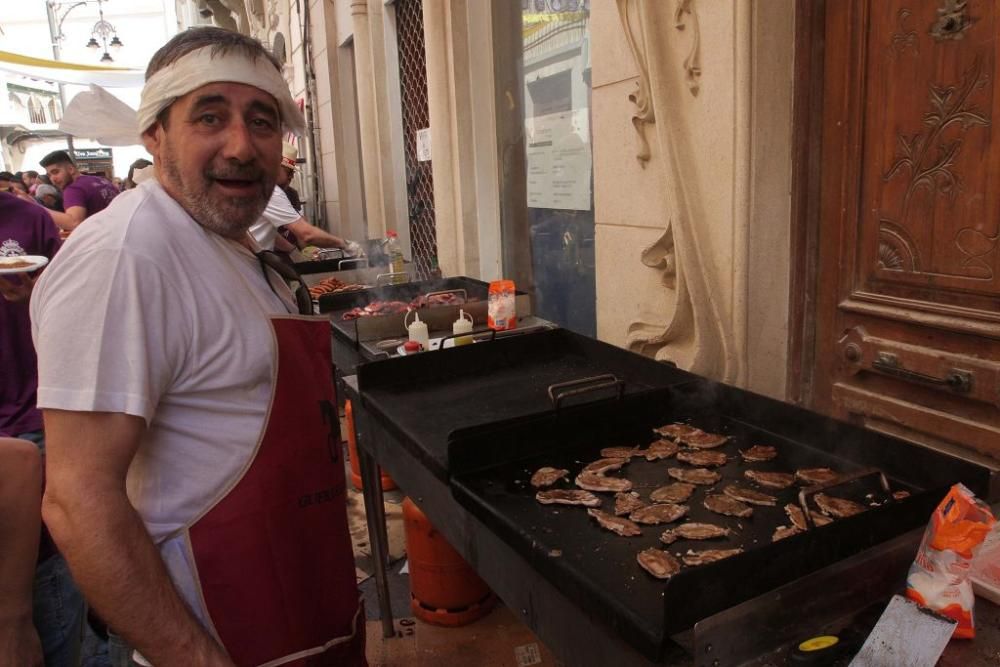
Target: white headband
point(200, 67)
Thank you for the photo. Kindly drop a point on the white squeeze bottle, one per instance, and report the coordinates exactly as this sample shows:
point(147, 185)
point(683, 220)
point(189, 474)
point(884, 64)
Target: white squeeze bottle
point(462, 325)
point(417, 330)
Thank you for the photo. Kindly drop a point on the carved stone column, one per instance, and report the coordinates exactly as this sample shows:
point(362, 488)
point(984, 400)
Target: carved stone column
point(368, 118)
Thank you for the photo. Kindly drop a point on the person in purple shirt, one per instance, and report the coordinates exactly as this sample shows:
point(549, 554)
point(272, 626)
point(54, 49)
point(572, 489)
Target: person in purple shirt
point(83, 195)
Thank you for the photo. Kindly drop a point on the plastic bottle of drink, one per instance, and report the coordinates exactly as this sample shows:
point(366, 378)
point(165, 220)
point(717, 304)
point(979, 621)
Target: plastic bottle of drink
point(395, 254)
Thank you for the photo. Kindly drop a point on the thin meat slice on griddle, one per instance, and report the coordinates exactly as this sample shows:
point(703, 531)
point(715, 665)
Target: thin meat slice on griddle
point(758, 453)
point(749, 495)
point(606, 465)
point(796, 516)
point(661, 449)
point(722, 504)
point(676, 492)
point(547, 476)
point(701, 476)
point(676, 430)
point(627, 502)
point(658, 563)
point(704, 440)
point(820, 519)
point(708, 556)
point(700, 457)
point(620, 452)
point(593, 482)
point(694, 531)
point(659, 513)
point(568, 497)
point(839, 508)
point(781, 532)
point(772, 480)
point(616, 524)
point(900, 495)
point(816, 475)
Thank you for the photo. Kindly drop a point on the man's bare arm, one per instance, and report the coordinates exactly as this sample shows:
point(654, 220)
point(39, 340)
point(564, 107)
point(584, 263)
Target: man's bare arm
point(307, 234)
point(103, 539)
point(69, 220)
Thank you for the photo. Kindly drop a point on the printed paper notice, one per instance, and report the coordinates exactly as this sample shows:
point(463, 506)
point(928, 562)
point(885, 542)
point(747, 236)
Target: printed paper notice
point(559, 160)
point(424, 145)
point(527, 655)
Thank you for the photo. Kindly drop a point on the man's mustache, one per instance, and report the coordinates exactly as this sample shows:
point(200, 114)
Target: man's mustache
point(235, 173)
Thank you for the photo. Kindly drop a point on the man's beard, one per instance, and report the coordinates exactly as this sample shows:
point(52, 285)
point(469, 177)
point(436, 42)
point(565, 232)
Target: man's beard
point(230, 217)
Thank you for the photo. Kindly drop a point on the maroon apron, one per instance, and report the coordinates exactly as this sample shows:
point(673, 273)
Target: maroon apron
point(273, 556)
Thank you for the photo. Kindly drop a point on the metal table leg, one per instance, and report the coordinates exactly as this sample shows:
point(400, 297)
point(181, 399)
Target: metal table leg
point(377, 534)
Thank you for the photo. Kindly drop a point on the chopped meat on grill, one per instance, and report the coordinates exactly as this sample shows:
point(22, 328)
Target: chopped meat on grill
point(749, 495)
point(626, 503)
point(620, 452)
point(820, 519)
point(704, 440)
point(815, 475)
point(758, 453)
point(693, 531)
point(547, 476)
point(595, 482)
point(659, 513)
point(722, 504)
point(899, 495)
point(698, 457)
point(796, 516)
point(677, 492)
point(568, 497)
point(701, 476)
point(658, 563)
point(616, 524)
point(781, 532)
point(772, 480)
point(376, 308)
point(444, 299)
point(332, 286)
point(601, 466)
point(708, 556)
point(676, 430)
point(839, 508)
point(661, 449)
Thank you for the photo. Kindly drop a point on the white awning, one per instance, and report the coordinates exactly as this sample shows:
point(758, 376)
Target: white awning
point(74, 73)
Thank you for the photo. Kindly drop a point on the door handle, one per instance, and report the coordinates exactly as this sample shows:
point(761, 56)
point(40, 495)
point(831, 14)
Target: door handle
point(957, 380)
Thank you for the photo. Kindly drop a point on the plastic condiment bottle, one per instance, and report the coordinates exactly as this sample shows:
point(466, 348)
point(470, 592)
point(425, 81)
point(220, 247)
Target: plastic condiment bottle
point(417, 330)
point(462, 325)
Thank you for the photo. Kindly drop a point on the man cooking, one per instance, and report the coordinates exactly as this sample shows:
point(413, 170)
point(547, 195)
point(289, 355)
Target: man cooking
point(194, 477)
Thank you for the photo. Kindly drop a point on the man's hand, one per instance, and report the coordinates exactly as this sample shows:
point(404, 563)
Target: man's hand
point(18, 287)
point(353, 249)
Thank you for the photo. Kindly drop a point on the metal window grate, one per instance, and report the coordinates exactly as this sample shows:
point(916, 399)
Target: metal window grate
point(413, 93)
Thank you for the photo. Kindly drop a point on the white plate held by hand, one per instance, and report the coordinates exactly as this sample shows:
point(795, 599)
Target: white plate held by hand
point(13, 264)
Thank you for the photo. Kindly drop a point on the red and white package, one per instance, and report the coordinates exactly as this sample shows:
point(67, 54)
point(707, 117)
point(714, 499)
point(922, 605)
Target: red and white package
point(986, 567)
point(939, 576)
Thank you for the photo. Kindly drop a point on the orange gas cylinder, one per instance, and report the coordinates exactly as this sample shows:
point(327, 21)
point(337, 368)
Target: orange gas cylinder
point(352, 448)
point(444, 590)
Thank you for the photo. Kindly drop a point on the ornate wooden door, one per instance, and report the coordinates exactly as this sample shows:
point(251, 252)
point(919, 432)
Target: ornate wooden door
point(908, 307)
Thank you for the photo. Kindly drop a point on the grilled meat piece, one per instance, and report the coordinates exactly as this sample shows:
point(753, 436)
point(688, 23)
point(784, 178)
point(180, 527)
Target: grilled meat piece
point(796, 516)
point(704, 440)
point(708, 556)
point(772, 480)
point(616, 524)
point(677, 492)
point(601, 466)
point(547, 476)
point(620, 452)
point(749, 495)
point(839, 508)
point(661, 449)
point(781, 532)
point(811, 476)
point(676, 430)
point(658, 563)
point(758, 453)
point(568, 497)
point(820, 519)
point(900, 495)
point(701, 476)
point(659, 513)
point(693, 531)
point(595, 482)
point(722, 504)
point(700, 457)
point(626, 503)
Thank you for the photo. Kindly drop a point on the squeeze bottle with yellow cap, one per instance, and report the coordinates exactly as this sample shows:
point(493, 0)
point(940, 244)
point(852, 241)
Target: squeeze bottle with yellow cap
point(462, 325)
point(417, 330)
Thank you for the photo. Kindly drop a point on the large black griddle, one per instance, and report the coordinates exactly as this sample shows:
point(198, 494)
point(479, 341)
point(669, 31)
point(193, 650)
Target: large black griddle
point(491, 466)
point(423, 398)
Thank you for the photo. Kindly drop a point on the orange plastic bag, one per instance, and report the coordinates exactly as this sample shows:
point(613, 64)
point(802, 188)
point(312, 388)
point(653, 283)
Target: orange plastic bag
point(502, 313)
point(939, 576)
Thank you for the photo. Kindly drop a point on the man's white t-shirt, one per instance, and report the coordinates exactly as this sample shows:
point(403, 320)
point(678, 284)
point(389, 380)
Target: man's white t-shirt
point(150, 314)
point(279, 212)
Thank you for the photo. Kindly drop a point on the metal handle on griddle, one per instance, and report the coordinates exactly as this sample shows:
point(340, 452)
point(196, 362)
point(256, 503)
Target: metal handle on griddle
point(353, 259)
point(810, 491)
point(390, 277)
point(491, 333)
point(563, 390)
point(458, 290)
point(955, 379)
